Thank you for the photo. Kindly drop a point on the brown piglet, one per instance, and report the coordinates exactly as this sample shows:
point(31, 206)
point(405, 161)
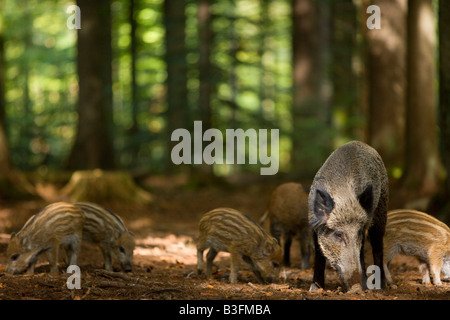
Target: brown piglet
point(106, 229)
point(57, 224)
point(229, 230)
point(418, 234)
point(288, 214)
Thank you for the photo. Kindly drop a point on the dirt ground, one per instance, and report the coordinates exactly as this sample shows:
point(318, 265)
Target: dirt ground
point(165, 257)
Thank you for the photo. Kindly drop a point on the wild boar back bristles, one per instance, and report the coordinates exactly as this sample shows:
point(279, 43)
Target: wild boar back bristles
point(98, 218)
point(232, 225)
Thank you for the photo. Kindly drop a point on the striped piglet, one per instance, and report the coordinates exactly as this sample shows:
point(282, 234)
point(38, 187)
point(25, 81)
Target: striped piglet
point(57, 224)
point(229, 230)
point(418, 234)
point(105, 228)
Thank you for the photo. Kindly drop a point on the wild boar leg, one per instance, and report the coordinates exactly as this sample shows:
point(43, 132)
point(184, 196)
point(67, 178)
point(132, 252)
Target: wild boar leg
point(287, 249)
point(72, 254)
point(305, 249)
point(363, 264)
point(435, 269)
point(376, 241)
point(53, 258)
point(387, 273)
point(106, 250)
point(319, 266)
point(31, 268)
point(424, 269)
point(73, 257)
point(200, 261)
point(235, 262)
point(212, 253)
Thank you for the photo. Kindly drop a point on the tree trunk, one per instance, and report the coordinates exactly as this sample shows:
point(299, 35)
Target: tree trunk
point(206, 80)
point(423, 167)
point(444, 104)
point(93, 147)
point(387, 83)
point(133, 132)
point(5, 163)
point(345, 103)
point(133, 54)
point(177, 107)
point(311, 141)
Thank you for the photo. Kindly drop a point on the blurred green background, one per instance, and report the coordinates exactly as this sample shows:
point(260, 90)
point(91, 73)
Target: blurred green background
point(109, 95)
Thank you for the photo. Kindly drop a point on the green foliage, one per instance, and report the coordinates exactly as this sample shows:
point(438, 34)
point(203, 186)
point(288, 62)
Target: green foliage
point(251, 39)
point(41, 82)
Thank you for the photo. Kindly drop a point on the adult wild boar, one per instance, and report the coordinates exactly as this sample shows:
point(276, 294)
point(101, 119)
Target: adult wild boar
point(349, 195)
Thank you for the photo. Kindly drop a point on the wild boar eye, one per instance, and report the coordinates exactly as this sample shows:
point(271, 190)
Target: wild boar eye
point(339, 235)
point(275, 264)
point(121, 250)
point(14, 257)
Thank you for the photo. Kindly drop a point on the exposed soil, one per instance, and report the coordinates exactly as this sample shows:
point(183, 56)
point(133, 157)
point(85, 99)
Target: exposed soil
point(165, 257)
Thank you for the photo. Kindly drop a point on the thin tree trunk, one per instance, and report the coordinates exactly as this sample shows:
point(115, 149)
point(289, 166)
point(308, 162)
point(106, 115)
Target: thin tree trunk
point(5, 163)
point(206, 77)
point(133, 54)
point(423, 167)
point(387, 83)
point(444, 85)
point(205, 36)
point(93, 147)
point(444, 103)
point(133, 132)
point(310, 114)
point(344, 77)
point(233, 77)
point(177, 107)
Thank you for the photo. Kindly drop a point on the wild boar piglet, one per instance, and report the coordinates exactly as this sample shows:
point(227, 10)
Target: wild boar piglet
point(229, 230)
point(288, 214)
point(58, 224)
point(418, 234)
point(106, 229)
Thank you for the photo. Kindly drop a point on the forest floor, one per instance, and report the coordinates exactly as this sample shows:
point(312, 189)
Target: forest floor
point(165, 256)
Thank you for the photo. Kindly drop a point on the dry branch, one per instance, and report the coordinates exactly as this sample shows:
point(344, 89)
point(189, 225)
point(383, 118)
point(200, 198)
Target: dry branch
point(118, 284)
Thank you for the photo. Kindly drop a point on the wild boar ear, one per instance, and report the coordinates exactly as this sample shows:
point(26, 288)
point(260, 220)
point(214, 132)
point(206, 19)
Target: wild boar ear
point(275, 240)
point(366, 199)
point(268, 248)
point(323, 205)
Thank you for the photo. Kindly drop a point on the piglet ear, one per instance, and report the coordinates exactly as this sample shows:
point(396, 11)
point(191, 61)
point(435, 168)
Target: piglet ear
point(269, 247)
point(323, 205)
point(366, 199)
